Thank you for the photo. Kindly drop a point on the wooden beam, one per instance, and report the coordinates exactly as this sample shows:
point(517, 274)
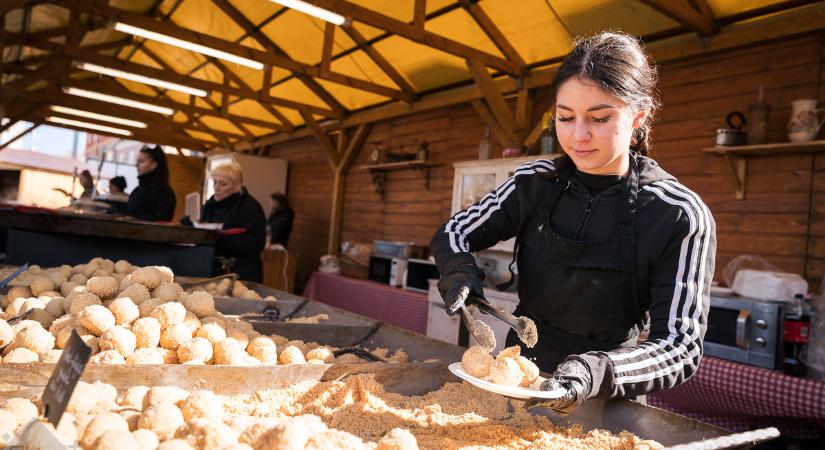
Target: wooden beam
point(419, 35)
point(170, 29)
point(346, 156)
point(534, 135)
point(255, 32)
point(11, 91)
point(683, 13)
point(380, 61)
point(19, 135)
point(10, 5)
point(322, 138)
point(24, 114)
point(492, 32)
point(420, 14)
point(502, 136)
point(495, 100)
point(704, 8)
point(524, 112)
point(326, 50)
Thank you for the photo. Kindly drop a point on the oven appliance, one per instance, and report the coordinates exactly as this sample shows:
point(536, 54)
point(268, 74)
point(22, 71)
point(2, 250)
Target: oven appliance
point(745, 330)
point(388, 270)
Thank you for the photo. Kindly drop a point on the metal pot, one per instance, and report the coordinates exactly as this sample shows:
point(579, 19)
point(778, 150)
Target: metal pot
point(732, 136)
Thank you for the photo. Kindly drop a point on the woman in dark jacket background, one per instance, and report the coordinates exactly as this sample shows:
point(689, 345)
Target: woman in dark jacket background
point(233, 207)
point(153, 199)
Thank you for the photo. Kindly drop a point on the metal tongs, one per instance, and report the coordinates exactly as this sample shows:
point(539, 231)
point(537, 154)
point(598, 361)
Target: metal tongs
point(525, 328)
point(480, 331)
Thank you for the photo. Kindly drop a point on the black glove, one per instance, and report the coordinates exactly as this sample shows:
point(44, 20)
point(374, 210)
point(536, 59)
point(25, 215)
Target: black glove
point(574, 377)
point(465, 277)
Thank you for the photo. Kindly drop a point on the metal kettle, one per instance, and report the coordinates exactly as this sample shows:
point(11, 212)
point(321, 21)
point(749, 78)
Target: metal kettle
point(732, 136)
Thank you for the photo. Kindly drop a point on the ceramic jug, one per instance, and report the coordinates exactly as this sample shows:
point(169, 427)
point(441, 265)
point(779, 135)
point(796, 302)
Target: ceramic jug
point(804, 124)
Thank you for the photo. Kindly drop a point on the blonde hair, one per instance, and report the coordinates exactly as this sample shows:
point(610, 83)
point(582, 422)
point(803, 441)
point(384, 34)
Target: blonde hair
point(233, 171)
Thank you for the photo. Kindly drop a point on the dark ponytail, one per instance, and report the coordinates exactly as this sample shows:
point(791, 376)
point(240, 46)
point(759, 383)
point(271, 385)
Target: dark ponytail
point(617, 63)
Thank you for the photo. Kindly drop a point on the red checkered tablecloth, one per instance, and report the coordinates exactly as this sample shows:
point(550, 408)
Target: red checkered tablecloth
point(741, 397)
point(396, 306)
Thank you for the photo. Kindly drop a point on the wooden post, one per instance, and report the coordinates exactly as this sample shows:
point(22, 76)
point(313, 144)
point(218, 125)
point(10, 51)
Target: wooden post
point(340, 170)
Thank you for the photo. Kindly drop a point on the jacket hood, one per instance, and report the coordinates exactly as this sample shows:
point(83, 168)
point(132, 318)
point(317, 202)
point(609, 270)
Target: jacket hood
point(649, 170)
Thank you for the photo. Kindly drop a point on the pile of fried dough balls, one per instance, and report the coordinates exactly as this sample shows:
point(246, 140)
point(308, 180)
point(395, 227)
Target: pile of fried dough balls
point(509, 368)
point(136, 315)
point(98, 417)
point(234, 289)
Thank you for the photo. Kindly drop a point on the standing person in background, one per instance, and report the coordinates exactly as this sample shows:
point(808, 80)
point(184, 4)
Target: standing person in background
point(117, 198)
point(238, 250)
point(280, 219)
point(153, 199)
point(87, 182)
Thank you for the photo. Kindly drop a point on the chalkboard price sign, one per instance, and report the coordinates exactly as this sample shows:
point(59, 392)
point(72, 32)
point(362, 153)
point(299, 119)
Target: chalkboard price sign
point(64, 378)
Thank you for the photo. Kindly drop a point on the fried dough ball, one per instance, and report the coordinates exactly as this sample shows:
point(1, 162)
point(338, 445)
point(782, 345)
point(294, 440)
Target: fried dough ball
point(42, 317)
point(51, 357)
point(120, 339)
point(237, 334)
point(55, 306)
point(100, 424)
point(145, 356)
point(529, 371)
point(61, 322)
point(147, 439)
point(103, 287)
point(202, 404)
point(35, 339)
point(65, 333)
point(164, 419)
point(80, 301)
point(116, 440)
point(22, 409)
point(398, 439)
point(123, 266)
point(249, 294)
point(91, 341)
point(291, 355)
point(169, 314)
point(169, 356)
point(19, 291)
point(150, 277)
point(505, 371)
point(175, 444)
point(79, 278)
point(213, 319)
point(6, 333)
point(164, 394)
point(134, 396)
point(21, 355)
point(137, 292)
point(263, 349)
point(321, 353)
point(29, 304)
point(8, 425)
point(200, 303)
point(145, 309)
point(172, 337)
point(238, 289)
point(41, 284)
point(476, 361)
point(225, 350)
point(124, 310)
point(195, 350)
point(212, 332)
point(291, 434)
point(23, 324)
point(192, 321)
point(108, 357)
point(206, 434)
point(167, 291)
point(510, 352)
point(238, 446)
point(15, 306)
point(90, 397)
point(96, 318)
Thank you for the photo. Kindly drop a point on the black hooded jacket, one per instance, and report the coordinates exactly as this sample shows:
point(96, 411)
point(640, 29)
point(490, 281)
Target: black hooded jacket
point(239, 210)
point(675, 253)
point(152, 200)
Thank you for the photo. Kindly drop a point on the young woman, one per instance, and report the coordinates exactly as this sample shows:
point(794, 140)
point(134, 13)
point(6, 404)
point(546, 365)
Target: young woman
point(153, 199)
point(607, 243)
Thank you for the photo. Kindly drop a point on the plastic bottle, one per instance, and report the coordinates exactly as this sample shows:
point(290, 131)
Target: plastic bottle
point(795, 336)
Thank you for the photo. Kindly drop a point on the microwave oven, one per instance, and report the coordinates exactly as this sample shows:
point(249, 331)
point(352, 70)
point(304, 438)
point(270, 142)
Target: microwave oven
point(387, 270)
point(419, 272)
point(745, 330)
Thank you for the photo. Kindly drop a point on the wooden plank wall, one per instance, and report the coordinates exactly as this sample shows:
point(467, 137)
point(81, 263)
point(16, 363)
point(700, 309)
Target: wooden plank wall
point(780, 219)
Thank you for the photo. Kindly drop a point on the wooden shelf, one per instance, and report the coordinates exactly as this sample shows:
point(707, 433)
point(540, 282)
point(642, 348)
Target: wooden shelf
point(379, 171)
point(737, 157)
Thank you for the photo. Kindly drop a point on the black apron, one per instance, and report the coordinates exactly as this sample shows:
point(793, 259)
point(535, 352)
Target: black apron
point(581, 294)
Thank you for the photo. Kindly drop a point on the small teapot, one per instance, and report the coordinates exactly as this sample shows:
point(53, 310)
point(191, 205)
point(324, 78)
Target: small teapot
point(732, 136)
point(804, 124)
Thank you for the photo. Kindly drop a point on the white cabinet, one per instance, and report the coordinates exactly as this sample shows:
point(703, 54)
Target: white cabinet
point(475, 179)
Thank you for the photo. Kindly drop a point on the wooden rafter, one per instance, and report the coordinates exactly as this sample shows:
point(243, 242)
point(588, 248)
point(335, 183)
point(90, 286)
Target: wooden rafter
point(486, 115)
point(420, 13)
point(10, 5)
point(684, 13)
point(19, 135)
point(170, 29)
point(492, 31)
point(322, 137)
point(495, 100)
point(348, 148)
point(419, 35)
point(255, 32)
point(379, 60)
point(326, 52)
point(24, 112)
point(11, 91)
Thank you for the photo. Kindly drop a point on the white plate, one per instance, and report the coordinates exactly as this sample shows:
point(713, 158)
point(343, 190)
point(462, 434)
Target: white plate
point(509, 391)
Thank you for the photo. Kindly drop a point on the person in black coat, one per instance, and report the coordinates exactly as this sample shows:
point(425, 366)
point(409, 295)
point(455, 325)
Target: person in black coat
point(280, 219)
point(153, 199)
point(240, 250)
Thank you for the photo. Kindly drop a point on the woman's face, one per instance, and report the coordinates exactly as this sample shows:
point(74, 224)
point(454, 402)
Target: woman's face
point(145, 164)
point(595, 128)
point(224, 187)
